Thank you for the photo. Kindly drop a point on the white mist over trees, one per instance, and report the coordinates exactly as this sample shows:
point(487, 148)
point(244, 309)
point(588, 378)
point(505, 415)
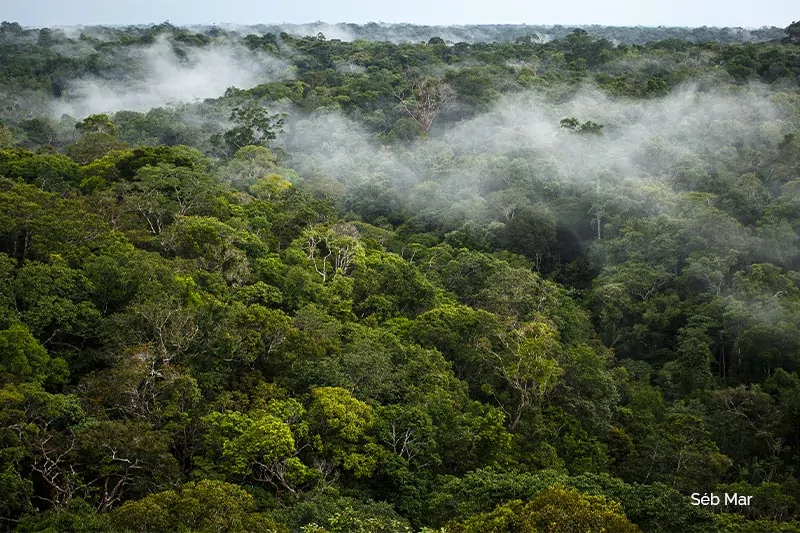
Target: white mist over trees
point(164, 74)
point(254, 281)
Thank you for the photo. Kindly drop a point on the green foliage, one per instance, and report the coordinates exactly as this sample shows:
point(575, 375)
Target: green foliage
point(254, 126)
point(49, 172)
point(562, 509)
point(345, 425)
point(23, 359)
point(555, 509)
point(203, 506)
point(259, 446)
point(6, 137)
point(333, 512)
point(78, 516)
point(588, 127)
point(410, 309)
point(93, 146)
point(96, 124)
point(793, 32)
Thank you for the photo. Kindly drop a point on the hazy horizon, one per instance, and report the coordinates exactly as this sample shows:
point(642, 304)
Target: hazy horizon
point(682, 13)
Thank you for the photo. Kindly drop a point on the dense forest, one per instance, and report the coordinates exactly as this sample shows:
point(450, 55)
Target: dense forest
point(410, 33)
point(514, 283)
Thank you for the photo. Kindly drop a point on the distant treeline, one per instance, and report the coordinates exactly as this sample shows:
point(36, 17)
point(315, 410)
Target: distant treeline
point(473, 33)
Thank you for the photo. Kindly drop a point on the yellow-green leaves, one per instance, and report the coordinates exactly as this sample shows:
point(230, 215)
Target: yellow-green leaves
point(241, 443)
point(269, 186)
point(555, 510)
point(527, 363)
point(22, 358)
point(332, 251)
point(345, 423)
point(203, 506)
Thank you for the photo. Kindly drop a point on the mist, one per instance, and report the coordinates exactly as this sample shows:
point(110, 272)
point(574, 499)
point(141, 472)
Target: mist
point(162, 77)
point(481, 171)
point(643, 140)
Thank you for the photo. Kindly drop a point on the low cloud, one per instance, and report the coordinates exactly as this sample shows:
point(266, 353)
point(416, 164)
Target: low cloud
point(644, 146)
point(162, 77)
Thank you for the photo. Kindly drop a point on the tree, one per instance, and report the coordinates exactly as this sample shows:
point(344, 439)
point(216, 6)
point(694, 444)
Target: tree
point(386, 285)
point(255, 334)
point(35, 429)
point(516, 293)
point(527, 364)
point(35, 225)
point(53, 302)
point(22, 358)
point(559, 509)
point(253, 126)
point(349, 520)
point(345, 425)
point(120, 460)
point(332, 251)
point(457, 332)
point(792, 33)
point(50, 172)
point(269, 186)
point(689, 454)
point(366, 365)
point(96, 124)
point(93, 146)
point(424, 100)
point(163, 192)
point(6, 137)
point(213, 245)
point(248, 165)
point(200, 506)
point(39, 132)
point(588, 127)
point(259, 445)
point(528, 231)
point(555, 510)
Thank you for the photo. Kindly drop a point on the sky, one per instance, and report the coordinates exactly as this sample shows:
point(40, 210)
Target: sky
point(734, 13)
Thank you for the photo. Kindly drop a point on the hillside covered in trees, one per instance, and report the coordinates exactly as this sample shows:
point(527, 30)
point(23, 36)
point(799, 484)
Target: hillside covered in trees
point(265, 282)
